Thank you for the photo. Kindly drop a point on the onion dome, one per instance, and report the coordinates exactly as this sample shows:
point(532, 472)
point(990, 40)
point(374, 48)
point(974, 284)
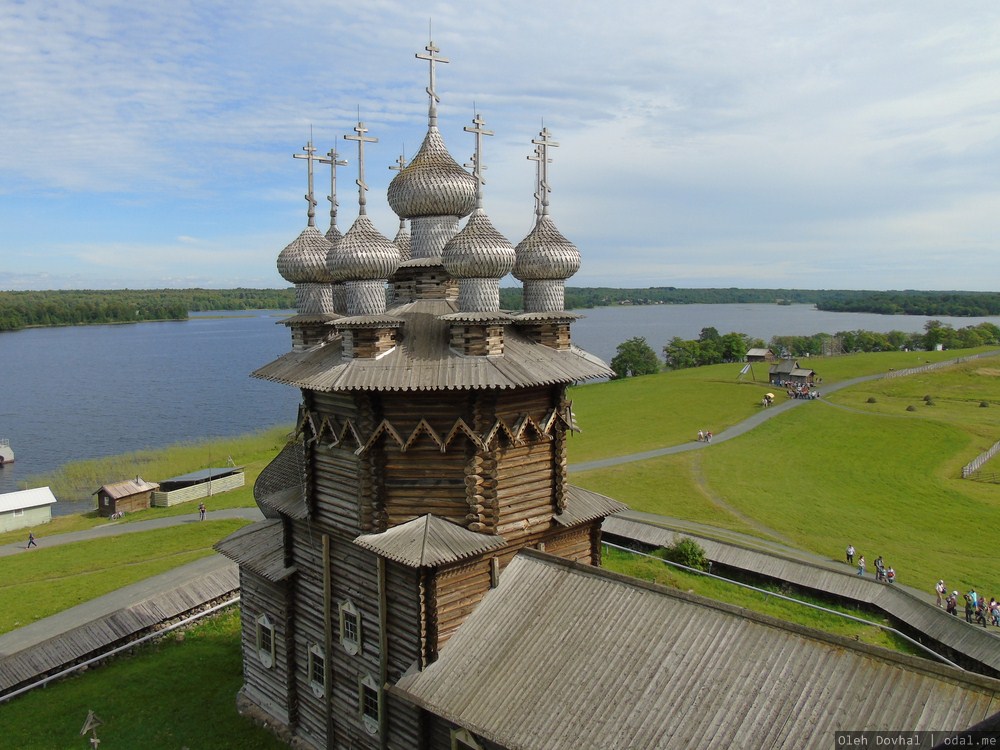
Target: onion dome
point(433, 184)
point(364, 254)
point(402, 241)
point(546, 254)
point(478, 256)
point(303, 261)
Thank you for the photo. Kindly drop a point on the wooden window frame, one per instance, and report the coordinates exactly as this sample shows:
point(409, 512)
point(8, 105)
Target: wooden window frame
point(350, 627)
point(265, 640)
point(370, 704)
point(317, 662)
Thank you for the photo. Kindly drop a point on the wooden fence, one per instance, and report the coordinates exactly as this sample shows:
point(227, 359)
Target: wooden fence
point(976, 464)
point(197, 491)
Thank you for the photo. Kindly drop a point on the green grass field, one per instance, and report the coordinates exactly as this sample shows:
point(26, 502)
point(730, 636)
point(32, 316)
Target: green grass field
point(178, 692)
point(44, 581)
point(827, 474)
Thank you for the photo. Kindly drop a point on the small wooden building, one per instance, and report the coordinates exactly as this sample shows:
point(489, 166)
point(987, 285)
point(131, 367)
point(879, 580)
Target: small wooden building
point(761, 355)
point(26, 508)
point(128, 496)
point(198, 484)
point(788, 373)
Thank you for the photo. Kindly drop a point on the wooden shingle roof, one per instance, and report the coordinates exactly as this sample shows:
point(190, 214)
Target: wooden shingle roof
point(428, 541)
point(127, 488)
point(564, 656)
point(584, 505)
point(424, 360)
point(258, 547)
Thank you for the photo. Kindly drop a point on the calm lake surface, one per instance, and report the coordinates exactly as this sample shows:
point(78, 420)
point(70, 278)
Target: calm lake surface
point(74, 393)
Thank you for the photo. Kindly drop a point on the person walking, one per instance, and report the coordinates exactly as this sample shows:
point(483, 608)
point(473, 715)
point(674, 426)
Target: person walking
point(861, 566)
point(201, 511)
point(850, 554)
point(940, 590)
point(31, 541)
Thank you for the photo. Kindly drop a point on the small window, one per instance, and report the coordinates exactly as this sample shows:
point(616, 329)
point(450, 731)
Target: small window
point(462, 739)
point(107, 501)
point(370, 703)
point(350, 627)
point(494, 572)
point(265, 641)
point(317, 671)
point(18, 512)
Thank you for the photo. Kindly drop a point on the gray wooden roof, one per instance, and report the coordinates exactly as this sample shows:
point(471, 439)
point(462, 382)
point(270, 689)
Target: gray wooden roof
point(584, 505)
point(129, 487)
point(258, 547)
point(423, 360)
point(24, 499)
point(565, 656)
point(428, 541)
point(975, 643)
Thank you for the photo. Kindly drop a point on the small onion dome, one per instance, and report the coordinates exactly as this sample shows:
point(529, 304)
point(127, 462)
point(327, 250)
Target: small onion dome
point(334, 235)
point(364, 253)
point(433, 184)
point(303, 261)
point(402, 241)
point(546, 254)
point(479, 251)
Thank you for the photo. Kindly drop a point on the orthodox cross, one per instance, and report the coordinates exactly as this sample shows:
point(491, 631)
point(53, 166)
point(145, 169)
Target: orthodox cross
point(477, 158)
point(544, 143)
point(334, 162)
point(362, 139)
point(400, 164)
point(432, 58)
point(537, 158)
point(310, 157)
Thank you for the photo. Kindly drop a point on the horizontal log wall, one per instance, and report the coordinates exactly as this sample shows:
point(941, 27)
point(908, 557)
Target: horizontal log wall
point(268, 687)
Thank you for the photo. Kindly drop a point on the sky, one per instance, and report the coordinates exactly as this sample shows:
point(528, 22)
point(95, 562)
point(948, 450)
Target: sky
point(847, 145)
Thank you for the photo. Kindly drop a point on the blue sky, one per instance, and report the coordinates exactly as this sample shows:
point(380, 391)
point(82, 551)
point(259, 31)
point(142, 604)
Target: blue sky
point(791, 144)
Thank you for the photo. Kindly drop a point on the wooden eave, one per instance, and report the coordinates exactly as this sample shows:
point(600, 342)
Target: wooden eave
point(427, 542)
point(259, 548)
point(423, 360)
point(583, 506)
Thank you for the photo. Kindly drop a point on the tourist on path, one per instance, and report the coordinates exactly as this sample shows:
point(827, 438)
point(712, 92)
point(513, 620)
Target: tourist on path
point(940, 590)
point(31, 540)
point(201, 511)
point(861, 565)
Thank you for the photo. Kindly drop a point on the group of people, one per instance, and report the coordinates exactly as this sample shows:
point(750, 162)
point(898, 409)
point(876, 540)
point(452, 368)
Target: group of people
point(883, 573)
point(704, 437)
point(977, 610)
point(802, 391)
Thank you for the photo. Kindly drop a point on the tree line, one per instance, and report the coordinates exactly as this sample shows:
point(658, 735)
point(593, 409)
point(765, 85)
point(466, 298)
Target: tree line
point(907, 302)
point(94, 307)
point(636, 357)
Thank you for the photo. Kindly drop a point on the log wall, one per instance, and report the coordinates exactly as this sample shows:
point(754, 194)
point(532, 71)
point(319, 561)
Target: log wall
point(268, 687)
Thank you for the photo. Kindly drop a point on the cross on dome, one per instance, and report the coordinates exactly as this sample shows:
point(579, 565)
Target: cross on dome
point(400, 164)
point(537, 158)
point(334, 162)
point(543, 143)
point(362, 139)
point(477, 157)
point(432, 58)
point(310, 157)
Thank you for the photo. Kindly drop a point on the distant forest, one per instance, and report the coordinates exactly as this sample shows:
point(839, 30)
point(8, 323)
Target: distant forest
point(91, 307)
point(909, 302)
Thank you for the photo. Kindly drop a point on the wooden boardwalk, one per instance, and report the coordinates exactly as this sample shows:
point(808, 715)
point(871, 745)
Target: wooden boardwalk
point(918, 616)
point(27, 656)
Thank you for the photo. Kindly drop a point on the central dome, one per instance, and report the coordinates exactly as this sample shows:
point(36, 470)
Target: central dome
point(433, 184)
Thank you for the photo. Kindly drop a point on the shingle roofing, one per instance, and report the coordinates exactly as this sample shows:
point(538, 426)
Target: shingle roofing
point(428, 541)
point(258, 547)
point(423, 360)
point(583, 505)
point(564, 656)
point(127, 488)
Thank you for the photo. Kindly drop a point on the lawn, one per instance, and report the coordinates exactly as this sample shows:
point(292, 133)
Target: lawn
point(40, 582)
point(179, 692)
point(872, 474)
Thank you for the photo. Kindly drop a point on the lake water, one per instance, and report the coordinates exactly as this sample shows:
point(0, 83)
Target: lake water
point(73, 393)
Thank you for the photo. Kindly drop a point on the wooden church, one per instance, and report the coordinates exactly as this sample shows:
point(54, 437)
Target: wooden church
point(426, 579)
point(430, 447)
